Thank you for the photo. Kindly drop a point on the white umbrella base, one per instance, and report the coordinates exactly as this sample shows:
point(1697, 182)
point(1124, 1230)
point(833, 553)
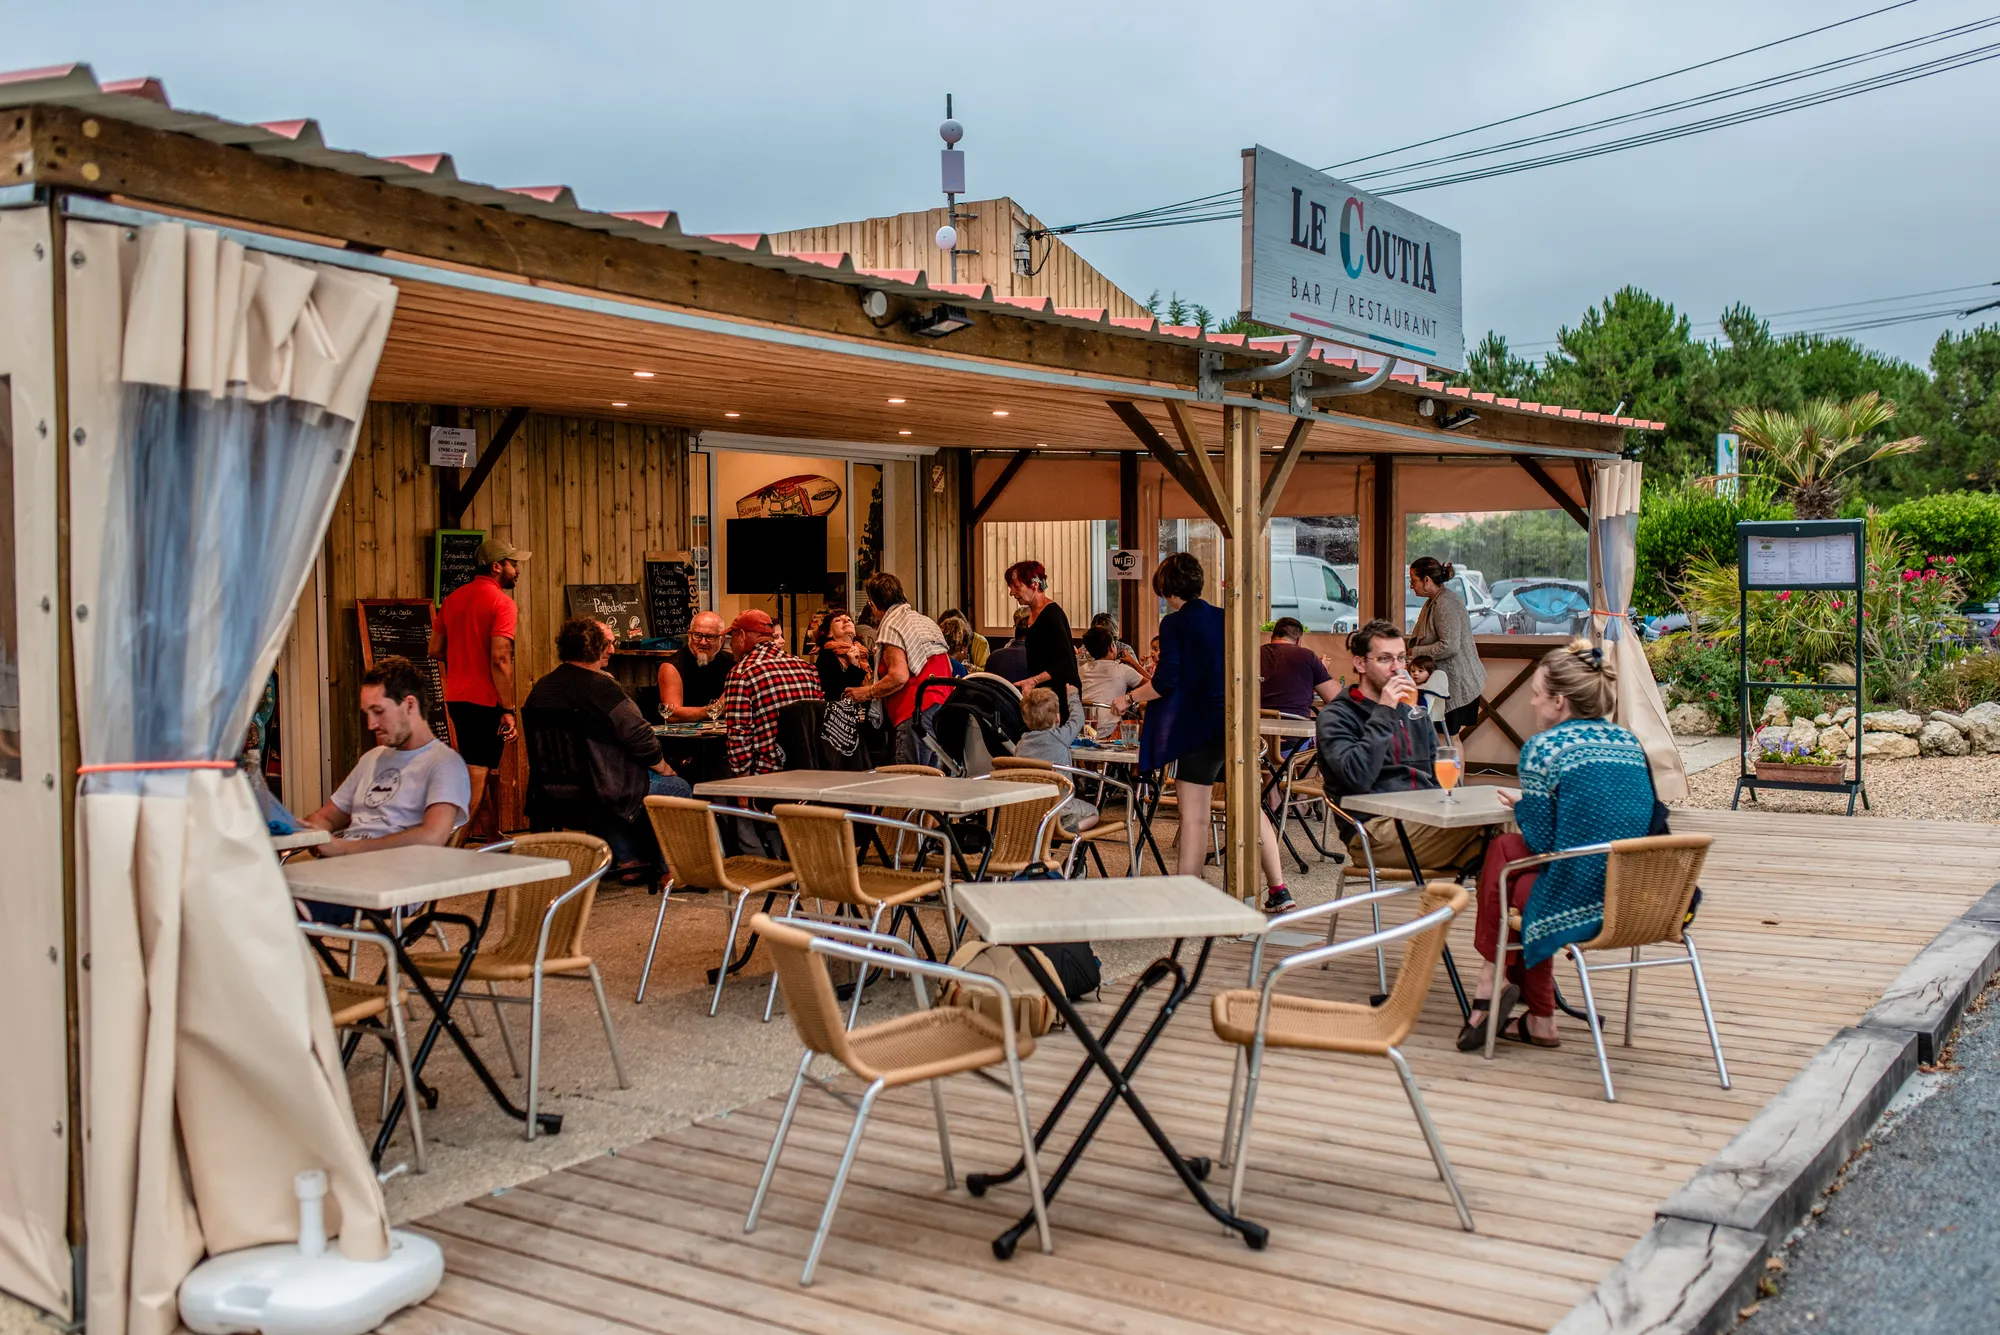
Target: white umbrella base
point(277, 1290)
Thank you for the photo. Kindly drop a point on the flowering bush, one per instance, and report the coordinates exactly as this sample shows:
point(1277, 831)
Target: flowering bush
point(1911, 623)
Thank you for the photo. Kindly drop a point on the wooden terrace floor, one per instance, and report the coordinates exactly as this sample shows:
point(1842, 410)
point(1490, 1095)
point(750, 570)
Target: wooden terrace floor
point(1806, 920)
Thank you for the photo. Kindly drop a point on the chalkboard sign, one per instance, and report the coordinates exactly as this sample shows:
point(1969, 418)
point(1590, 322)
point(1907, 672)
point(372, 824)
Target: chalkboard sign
point(452, 553)
point(669, 596)
point(391, 626)
point(621, 606)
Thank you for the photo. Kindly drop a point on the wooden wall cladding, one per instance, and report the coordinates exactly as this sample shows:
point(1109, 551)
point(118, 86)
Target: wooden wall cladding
point(589, 498)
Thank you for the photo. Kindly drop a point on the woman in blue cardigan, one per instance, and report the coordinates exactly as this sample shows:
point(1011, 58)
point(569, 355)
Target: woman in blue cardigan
point(1183, 724)
point(1584, 780)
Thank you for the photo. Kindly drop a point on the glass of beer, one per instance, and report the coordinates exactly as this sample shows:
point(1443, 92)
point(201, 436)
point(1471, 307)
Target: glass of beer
point(1449, 766)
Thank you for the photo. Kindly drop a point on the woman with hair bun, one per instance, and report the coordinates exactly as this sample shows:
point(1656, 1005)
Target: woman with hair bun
point(1444, 632)
point(1051, 652)
point(1584, 780)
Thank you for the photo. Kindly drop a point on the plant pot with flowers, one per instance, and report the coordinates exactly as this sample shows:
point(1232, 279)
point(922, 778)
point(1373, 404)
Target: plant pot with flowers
point(1786, 759)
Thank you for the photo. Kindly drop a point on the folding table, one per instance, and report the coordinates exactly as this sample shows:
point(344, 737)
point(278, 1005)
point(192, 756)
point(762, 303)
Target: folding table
point(1023, 914)
point(1142, 783)
point(381, 882)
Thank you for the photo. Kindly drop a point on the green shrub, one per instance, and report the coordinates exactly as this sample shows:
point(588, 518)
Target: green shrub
point(1696, 671)
point(1959, 686)
point(1680, 523)
point(1963, 525)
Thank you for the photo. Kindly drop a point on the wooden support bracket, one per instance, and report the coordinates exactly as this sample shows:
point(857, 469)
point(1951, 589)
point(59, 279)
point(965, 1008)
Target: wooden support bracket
point(1178, 468)
point(1212, 493)
point(1007, 474)
point(455, 497)
point(1281, 472)
point(1541, 475)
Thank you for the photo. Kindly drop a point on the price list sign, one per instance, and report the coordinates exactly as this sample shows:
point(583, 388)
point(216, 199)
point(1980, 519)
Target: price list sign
point(1807, 554)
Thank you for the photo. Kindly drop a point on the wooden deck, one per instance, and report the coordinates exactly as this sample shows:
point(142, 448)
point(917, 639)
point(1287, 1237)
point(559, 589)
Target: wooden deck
point(1806, 920)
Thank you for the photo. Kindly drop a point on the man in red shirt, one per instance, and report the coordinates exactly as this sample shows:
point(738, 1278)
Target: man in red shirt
point(473, 637)
point(764, 680)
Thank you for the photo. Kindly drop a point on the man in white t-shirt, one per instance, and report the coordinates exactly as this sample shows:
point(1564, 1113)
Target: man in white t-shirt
point(411, 789)
point(1105, 678)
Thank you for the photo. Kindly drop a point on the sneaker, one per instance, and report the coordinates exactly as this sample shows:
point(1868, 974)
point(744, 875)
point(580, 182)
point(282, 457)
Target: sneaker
point(1277, 899)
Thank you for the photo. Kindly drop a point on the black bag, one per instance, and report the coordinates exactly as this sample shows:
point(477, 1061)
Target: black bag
point(1077, 966)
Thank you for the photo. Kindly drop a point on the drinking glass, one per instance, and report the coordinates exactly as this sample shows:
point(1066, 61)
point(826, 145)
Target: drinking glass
point(1450, 767)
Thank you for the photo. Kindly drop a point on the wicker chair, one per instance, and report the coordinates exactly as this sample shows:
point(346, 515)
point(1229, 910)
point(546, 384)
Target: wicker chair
point(546, 921)
point(1649, 885)
point(1124, 828)
point(905, 813)
point(1259, 1017)
point(378, 1009)
point(1024, 833)
point(922, 1047)
point(826, 859)
point(692, 845)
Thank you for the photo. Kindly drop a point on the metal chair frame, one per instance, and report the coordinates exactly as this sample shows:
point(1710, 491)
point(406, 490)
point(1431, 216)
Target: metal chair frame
point(395, 1038)
point(742, 898)
point(1630, 968)
point(1131, 821)
point(1043, 846)
point(892, 954)
point(1236, 1130)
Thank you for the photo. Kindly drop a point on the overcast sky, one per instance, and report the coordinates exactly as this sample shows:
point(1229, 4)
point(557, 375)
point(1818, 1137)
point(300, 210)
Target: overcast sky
point(748, 117)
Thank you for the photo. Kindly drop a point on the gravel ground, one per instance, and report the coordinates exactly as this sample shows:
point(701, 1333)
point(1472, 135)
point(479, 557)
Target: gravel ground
point(1911, 1242)
point(1960, 788)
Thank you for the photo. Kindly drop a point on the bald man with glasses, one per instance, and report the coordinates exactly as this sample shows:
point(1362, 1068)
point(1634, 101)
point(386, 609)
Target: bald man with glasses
point(691, 679)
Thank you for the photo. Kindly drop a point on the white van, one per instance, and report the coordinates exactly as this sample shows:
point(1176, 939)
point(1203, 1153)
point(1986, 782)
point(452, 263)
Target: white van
point(1313, 591)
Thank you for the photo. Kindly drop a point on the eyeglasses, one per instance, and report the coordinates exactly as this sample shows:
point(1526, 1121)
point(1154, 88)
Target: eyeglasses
point(1385, 660)
point(704, 635)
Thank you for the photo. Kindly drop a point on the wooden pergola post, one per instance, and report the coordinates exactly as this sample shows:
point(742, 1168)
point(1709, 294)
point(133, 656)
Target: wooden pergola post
point(1240, 598)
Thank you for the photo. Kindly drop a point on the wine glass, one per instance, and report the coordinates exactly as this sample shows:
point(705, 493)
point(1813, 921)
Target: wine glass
point(1449, 766)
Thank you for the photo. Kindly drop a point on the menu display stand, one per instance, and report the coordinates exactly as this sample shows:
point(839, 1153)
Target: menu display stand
point(1797, 555)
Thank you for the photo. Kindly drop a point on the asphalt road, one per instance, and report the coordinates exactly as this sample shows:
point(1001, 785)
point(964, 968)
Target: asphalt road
point(1911, 1244)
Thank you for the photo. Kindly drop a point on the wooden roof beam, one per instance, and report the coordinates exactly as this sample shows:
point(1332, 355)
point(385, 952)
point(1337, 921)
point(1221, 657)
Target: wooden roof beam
point(1542, 479)
point(1178, 468)
point(1014, 466)
point(1281, 472)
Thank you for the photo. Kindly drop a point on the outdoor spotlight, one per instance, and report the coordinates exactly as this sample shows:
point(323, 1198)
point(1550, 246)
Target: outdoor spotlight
point(1453, 421)
point(1427, 407)
point(939, 321)
point(874, 304)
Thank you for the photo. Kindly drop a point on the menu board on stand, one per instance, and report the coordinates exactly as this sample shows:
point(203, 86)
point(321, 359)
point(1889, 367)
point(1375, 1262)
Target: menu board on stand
point(402, 626)
point(670, 595)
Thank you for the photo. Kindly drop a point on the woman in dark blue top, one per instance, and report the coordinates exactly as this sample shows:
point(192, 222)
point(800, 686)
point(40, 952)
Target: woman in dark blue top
point(1183, 724)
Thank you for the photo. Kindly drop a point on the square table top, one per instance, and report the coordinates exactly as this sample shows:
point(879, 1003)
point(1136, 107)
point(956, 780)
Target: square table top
point(920, 792)
point(1476, 805)
point(395, 878)
point(305, 838)
point(1286, 727)
point(1116, 908)
point(790, 785)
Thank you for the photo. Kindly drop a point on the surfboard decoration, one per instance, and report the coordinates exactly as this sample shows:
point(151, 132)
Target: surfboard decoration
point(806, 494)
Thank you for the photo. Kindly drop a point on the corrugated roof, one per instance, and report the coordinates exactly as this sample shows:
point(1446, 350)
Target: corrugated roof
point(144, 101)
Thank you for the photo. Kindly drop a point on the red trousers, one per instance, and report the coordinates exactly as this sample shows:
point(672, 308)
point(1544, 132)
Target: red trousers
point(1538, 985)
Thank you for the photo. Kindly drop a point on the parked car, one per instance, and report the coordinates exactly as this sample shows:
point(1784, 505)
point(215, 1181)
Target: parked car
point(1982, 622)
point(1313, 591)
point(1652, 628)
point(1544, 607)
point(1470, 586)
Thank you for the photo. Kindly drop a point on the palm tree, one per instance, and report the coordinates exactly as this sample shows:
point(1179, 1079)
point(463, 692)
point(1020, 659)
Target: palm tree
point(1810, 450)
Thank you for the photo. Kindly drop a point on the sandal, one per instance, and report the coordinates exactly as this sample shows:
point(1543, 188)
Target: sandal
point(1472, 1037)
point(1518, 1033)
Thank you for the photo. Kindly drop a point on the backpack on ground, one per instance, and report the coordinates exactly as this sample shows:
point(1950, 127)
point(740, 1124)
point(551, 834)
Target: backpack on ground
point(1034, 1013)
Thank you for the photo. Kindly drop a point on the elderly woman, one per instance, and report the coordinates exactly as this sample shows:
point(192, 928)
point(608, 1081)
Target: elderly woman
point(842, 660)
point(1584, 780)
point(1444, 633)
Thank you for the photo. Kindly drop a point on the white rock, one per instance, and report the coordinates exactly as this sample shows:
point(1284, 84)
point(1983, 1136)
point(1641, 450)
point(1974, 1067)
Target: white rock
point(1844, 713)
point(1691, 720)
point(1892, 720)
point(1888, 746)
point(1803, 735)
point(1837, 742)
point(1770, 737)
point(1983, 729)
point(1822, 720)
point(1955, 720)
point(1851, 726)
point(1941, 739)
point(1775, 713)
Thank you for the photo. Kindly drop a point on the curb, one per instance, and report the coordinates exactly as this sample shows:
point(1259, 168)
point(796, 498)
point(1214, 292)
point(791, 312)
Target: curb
point(1705, 1254)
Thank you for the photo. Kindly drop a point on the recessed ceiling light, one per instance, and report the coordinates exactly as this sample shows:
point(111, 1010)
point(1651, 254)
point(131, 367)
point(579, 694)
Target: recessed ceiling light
point(999, 412)
point(616, 404)
point(643, 375)
point(732, 414)
point(902, 433)
point(899, 400)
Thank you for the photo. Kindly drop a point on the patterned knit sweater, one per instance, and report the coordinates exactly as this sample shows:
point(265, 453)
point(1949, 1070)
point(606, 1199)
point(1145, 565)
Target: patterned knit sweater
point(1585, 781)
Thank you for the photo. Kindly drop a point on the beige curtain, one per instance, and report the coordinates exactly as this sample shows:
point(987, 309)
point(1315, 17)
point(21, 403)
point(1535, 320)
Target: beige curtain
point(1614, 524)
point(212, 1072)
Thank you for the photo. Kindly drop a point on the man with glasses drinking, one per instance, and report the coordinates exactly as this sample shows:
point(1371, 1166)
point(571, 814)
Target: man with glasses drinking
point(691, 679)
point(1377, 738)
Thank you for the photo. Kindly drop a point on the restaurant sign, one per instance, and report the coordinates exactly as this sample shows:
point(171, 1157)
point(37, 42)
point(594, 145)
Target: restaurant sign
point(1321, 257)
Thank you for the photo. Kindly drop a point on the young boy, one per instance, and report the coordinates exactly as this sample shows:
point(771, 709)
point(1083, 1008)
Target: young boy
point(1433, 687)
point(1049, 738)
point(1105, 678)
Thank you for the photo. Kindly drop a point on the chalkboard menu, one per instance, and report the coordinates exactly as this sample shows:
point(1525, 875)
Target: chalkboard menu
point(392, 626)
point(452, 553)
point(669, 597)
point(621, 606)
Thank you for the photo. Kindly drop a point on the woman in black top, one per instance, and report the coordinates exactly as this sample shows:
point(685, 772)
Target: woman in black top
point(842, 663)
point(1051, 652)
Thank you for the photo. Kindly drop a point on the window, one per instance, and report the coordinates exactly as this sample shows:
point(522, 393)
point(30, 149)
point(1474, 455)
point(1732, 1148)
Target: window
point(1073, 551)
point(1520, 572)
point(10, 642)
point(1315, 566)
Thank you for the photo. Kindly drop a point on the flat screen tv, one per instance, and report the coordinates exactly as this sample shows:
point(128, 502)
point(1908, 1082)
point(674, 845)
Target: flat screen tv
point(776, 554)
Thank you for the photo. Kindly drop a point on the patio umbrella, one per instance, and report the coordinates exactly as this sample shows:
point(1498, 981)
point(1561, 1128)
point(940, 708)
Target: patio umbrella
point(212, 1074)
point(1614, 527)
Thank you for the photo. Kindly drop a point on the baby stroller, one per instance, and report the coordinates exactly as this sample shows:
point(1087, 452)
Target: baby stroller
point(963, 722)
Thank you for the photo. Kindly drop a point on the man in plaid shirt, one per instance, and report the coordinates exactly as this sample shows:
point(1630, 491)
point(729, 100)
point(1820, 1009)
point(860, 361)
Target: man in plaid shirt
point(764, 680)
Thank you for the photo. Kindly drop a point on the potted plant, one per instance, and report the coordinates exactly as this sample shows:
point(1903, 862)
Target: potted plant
point(1783, 758)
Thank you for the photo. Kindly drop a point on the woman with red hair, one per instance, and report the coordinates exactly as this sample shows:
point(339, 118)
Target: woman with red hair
point(1051, 652)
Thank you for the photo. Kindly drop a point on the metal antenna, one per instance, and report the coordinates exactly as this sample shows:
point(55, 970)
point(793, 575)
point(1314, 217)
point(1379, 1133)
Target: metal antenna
point(952, 162)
